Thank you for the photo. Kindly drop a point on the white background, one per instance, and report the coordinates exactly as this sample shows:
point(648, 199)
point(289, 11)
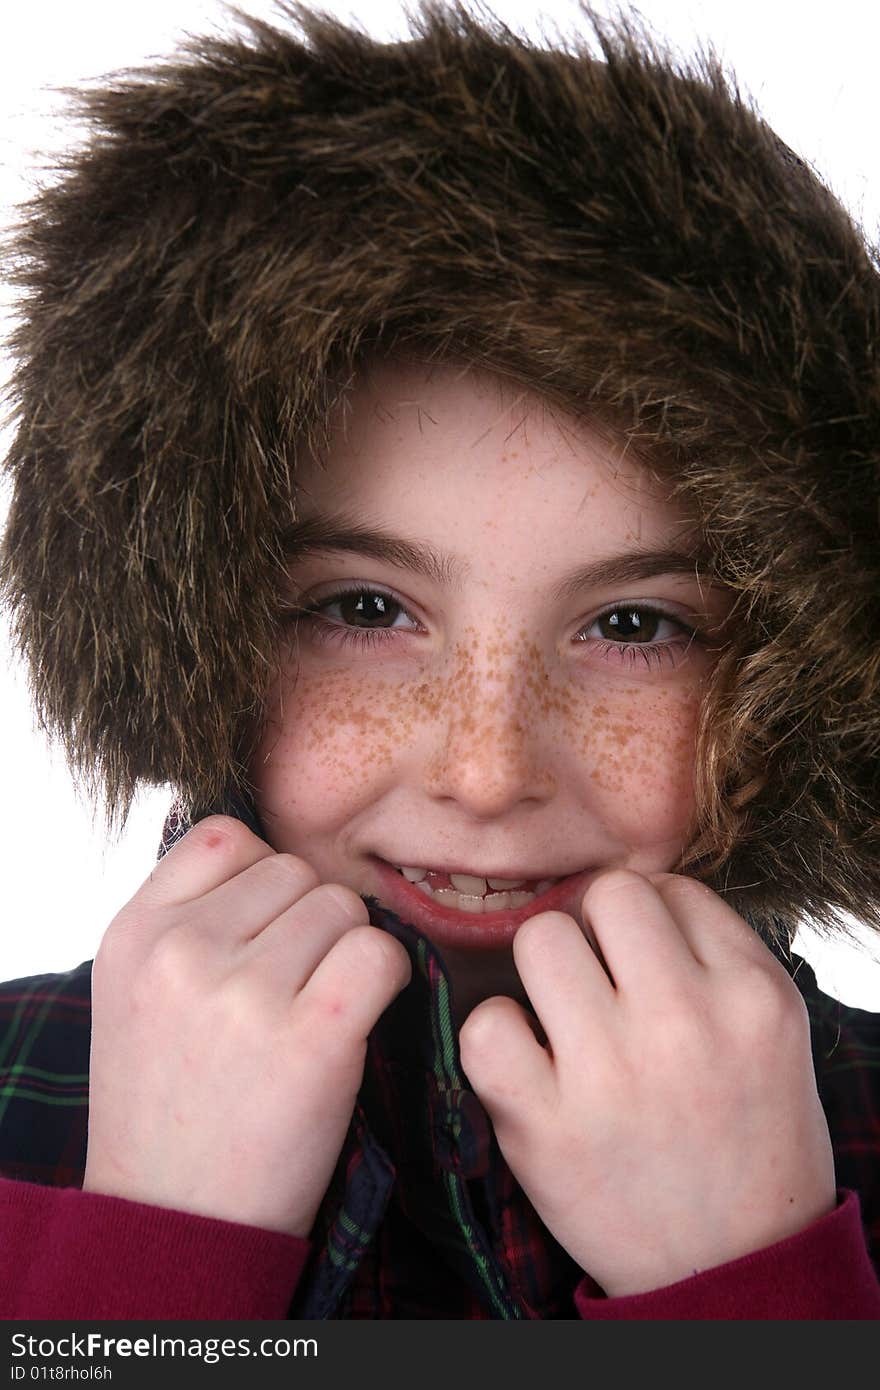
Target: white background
point(811, 70)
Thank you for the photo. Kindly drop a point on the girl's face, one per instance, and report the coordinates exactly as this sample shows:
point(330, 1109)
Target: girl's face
point(498, 678)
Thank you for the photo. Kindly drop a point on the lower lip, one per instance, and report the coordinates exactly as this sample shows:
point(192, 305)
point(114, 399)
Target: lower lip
point(446, 926)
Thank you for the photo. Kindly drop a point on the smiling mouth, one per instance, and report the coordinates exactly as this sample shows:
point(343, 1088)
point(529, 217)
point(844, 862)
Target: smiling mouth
point(472, 893)
point(489, 920)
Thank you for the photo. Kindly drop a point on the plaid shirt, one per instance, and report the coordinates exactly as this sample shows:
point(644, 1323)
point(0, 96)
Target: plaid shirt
point(422, 1217)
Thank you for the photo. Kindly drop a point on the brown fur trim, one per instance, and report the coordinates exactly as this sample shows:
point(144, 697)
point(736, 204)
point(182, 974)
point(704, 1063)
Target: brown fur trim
point(251, 218)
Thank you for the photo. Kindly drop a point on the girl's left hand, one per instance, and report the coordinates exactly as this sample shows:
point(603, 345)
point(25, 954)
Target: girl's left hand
point(671, 1123)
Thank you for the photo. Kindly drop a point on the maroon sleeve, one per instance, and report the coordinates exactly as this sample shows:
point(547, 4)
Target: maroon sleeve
point(822, 1272)
point(67, 1254)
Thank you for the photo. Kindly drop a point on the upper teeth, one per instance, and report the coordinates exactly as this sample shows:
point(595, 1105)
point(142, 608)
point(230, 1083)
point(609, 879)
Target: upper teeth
point(467, 883)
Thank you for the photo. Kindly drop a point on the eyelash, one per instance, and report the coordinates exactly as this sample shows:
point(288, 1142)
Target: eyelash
point(652, 653)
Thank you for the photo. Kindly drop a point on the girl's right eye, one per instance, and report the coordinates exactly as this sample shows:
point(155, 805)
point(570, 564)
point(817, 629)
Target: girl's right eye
point(357, 608)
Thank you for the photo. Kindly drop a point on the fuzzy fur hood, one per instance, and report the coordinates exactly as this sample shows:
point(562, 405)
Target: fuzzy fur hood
point(250, 219)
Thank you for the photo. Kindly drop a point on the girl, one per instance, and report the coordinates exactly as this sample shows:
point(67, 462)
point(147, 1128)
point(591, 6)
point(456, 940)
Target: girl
point(451, 464)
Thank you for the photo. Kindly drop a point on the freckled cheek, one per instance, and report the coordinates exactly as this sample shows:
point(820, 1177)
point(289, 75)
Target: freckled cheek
point(330, 740)
point(637, 752)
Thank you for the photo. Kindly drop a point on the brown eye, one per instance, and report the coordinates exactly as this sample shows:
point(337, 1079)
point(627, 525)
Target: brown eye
point(637, 635)
point(630, 624)
point(367, 608)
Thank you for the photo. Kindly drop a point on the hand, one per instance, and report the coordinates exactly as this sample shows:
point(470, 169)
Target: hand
point(232, 998)
point(672, 1122)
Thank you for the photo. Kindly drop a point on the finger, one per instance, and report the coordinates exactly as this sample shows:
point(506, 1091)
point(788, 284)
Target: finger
point(640, 938)
point(506, 1066)
point(562, 976)
point(213, 851)
point(292, 946)
point(716, 934)
point(238, 910)
point(352, 986)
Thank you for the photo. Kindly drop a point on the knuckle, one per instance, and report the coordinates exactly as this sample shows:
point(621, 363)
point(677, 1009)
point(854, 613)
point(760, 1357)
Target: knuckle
point(773, 1001)
point(121, 926)
point(680, 888)
point(327, 1037)
point(539, 941)
point(758, 988)
point(120, 942)
point(173, 961)
point(528, 941)
point(534, 931)
point(377, 952)
point(110, 953)
point(342, 900)
point(241, 1002)
point(612, 883)
point(290, 873)
point(485, 1026)
point(796, 1019)
point(221, 840)
point(686, 1031)
point(219, 835)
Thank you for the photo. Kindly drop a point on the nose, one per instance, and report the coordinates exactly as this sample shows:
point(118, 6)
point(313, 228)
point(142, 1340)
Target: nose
point(492, 749)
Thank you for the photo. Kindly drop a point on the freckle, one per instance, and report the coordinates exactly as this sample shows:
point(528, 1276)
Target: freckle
point(622, 733)
point(598, 777)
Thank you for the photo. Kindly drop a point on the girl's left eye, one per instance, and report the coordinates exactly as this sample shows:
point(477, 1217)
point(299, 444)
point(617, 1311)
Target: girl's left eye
point(628, 632)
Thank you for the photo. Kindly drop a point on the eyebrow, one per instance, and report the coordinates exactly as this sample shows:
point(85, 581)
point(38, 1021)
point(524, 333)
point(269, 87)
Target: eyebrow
point(320, 534)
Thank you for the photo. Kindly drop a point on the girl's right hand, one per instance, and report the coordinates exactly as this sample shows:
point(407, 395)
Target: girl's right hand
point(231, 1002)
